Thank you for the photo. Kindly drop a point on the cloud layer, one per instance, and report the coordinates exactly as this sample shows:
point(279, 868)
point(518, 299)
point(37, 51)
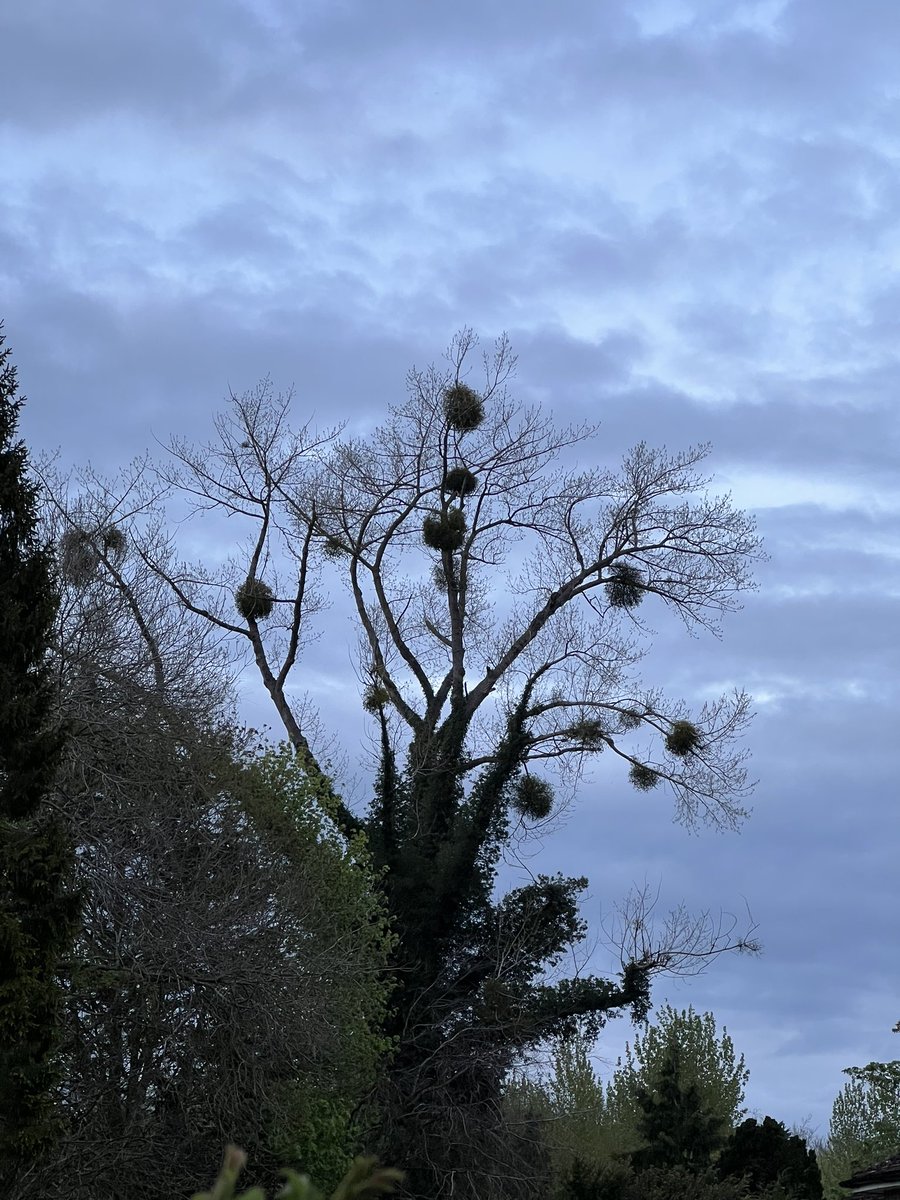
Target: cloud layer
point(684, 213)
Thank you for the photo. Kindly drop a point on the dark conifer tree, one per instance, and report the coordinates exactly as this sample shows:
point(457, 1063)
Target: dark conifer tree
point(38, 910)
point(678, 1130)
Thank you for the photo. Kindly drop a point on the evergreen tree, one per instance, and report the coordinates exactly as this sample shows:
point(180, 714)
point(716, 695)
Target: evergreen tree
point(767, 1155)
point(706, 1057)
point(597, 1126)
point(677, 1128)
point(38, 911)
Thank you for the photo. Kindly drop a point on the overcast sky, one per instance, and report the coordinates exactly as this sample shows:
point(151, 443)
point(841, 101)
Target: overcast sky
point(687, 217)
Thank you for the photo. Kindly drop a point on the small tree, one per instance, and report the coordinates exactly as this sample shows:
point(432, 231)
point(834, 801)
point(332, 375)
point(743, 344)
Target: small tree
point(676, 1127)
point(38, 909)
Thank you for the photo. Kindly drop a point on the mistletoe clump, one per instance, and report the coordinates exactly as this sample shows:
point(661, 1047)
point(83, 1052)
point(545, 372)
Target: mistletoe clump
point(334, 548)
point(375, 698)
point(254, 599)
point(114, 541)
point(443, 578)
point(533, 798)
point(78, 557)
point(683, 738)
point(591, 734)
point(625, 588)
point(460, 481)
point(643, 778)
point(463, 407)
point(445, 530)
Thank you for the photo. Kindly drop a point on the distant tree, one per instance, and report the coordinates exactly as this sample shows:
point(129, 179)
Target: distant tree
point(676, 1127)
point(864, 1126)
point(582, 1120)
point(767, 1154)
point(38, 907)
point(496, 591)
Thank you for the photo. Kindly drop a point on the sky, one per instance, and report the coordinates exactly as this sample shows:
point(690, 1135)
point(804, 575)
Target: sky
point(686, 215)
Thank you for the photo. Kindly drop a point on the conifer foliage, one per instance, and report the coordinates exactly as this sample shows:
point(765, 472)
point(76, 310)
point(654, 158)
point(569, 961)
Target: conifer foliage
point(37, 910)
point(679, 1130)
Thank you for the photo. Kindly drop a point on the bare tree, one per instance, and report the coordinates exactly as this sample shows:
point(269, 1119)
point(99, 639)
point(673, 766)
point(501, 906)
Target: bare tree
point(267, 594)
point(500, 593)
point(532, 582)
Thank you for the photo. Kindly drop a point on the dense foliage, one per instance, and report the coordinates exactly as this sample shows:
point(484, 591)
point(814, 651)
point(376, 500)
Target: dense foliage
point(38, 907)
point(669, 1118)
point(767, 1155)
point(595, 1124)
point(228, 972)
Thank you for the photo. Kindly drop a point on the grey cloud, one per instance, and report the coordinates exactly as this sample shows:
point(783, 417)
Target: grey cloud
point(689, 235)
point(95, 55)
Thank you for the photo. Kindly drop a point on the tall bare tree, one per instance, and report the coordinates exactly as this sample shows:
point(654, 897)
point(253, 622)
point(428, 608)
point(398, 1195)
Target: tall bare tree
point(500, 593)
